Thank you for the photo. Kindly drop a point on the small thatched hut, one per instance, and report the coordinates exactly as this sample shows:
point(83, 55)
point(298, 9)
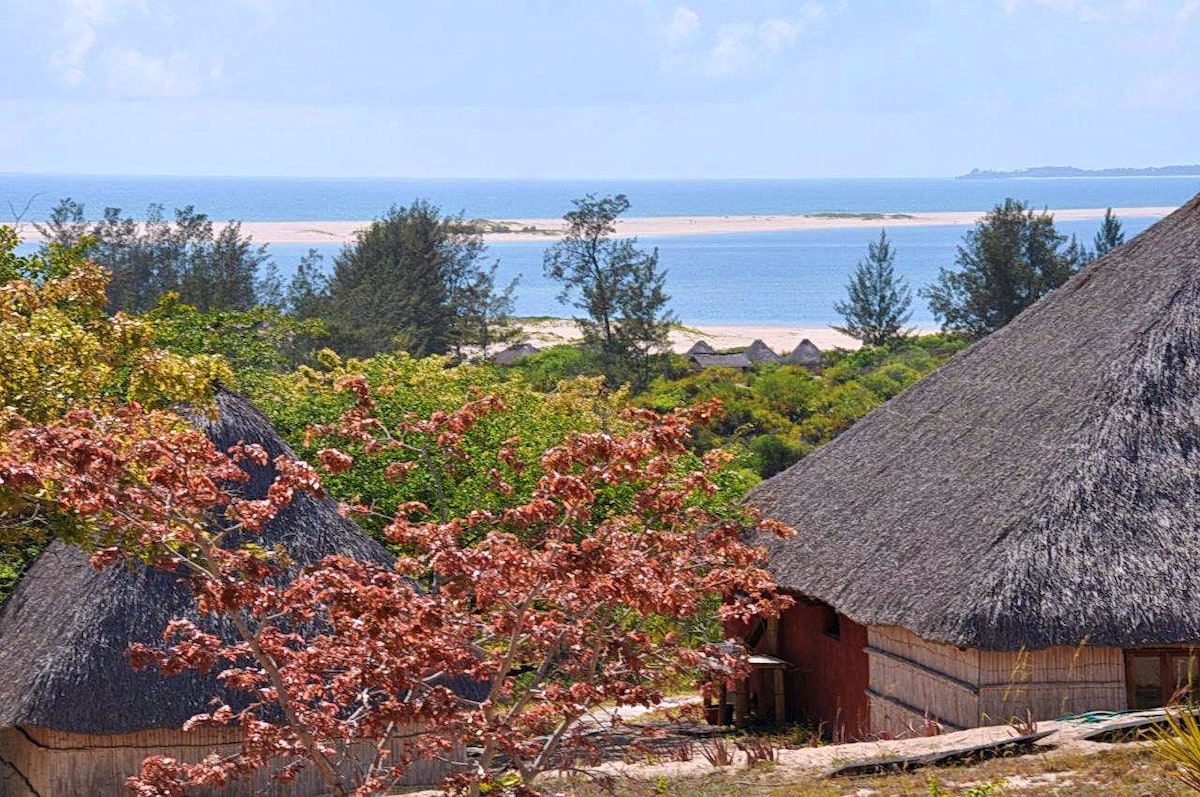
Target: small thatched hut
point(1019, 530)
point(759, 352)
point(738, 362)
point(806, 355)
point(514, 354)
point(700, 347)
point(75, 717)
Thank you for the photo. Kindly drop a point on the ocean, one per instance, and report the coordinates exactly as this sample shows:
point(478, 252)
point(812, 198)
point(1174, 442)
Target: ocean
point(786, 278)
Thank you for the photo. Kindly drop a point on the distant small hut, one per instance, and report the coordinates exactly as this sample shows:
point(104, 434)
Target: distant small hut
point(1015, 535)
point(806, 355)
point(700, 347)
point(760, 353)
point(738, 362)
point(514, 354)
point(75, 717)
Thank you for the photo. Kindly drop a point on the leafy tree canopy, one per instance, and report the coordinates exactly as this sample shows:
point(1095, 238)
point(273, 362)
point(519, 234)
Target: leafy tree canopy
point(1011, 258)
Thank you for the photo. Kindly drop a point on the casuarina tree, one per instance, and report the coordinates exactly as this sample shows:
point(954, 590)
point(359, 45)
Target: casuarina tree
point(877, 304)
point(618, 287)
point(1110, 235)
point(1008, 261)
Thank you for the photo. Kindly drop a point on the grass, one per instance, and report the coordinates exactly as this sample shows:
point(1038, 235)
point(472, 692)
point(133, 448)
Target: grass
point(1132, 771)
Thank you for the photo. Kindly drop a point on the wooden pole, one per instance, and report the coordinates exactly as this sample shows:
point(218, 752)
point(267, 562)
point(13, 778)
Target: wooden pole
point(741, 705)
point(780, 708)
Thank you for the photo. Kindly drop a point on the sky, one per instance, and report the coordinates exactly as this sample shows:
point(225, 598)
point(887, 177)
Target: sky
point(596, 88)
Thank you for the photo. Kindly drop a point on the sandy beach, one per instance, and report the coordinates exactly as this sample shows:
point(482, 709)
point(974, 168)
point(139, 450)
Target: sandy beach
point(526, 230)
point(781, 338)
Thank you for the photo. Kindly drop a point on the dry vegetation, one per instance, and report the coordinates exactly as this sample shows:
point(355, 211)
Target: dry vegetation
point(1125, 771)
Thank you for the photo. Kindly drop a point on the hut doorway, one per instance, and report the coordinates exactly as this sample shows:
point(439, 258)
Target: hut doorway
point(1158, 677)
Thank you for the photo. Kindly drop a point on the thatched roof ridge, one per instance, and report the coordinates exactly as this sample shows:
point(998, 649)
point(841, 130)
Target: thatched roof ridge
point(700, 347)
point(514, 354)
point(759, 352)
point(738, 361)
point(1040, 488)
point(65, 630)
point(805, 354)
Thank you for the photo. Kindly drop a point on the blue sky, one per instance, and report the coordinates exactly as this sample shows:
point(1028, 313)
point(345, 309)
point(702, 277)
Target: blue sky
point(603, 88)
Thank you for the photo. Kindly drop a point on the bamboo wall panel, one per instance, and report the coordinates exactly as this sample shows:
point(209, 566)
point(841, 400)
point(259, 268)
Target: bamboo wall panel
point(933, 696)
point(889, 720)
point(61, 764)
point(1000, 704)
point(960, 664)
point(1052, 665)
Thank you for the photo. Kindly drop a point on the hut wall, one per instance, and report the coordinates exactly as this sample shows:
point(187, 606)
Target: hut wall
point(36, 762)
point(1050, 683)
point(828, 679)
point(912, 680)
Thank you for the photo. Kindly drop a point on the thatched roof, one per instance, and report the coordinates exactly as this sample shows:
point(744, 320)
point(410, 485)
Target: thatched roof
point(65, 630)
point(514, 354)
point(700, 347)
point(1040, 488)
point(805, 354)
point(738, 361)
point(759, 352)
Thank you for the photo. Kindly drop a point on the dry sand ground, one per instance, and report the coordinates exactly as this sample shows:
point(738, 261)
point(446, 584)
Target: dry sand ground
point(797, 765)
point(335, 232)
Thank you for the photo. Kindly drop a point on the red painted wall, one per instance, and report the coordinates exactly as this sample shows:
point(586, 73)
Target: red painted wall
point(829, 676)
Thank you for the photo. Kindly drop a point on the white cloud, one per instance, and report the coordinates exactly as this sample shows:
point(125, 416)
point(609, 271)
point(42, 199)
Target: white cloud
point(684, 22)
point(736, 47)
point(130, 72)
point(81, 20)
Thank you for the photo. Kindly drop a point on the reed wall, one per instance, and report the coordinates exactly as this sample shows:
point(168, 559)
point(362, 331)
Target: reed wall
point(912, 679)
point(36, 762)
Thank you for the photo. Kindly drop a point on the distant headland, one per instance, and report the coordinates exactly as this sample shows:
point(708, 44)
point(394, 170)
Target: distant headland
point(1071, 171)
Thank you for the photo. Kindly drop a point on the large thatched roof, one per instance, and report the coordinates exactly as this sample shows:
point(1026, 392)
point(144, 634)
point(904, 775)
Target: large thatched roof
point(700, 347)
point(1040, 488)
point(65, 630)
point(738, 361)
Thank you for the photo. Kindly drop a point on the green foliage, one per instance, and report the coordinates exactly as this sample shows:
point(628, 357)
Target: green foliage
point(407, 387)
point(1178, 744)
point(210, 270)
point(60, 349)
point(250, 341)
point(1011, 258)
point(544, 370)
point(413, 281)
point(617, 286)
point(878, 302)
point(777, 414)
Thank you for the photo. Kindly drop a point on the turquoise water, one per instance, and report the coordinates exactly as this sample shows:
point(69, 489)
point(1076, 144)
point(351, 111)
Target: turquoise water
point(766, 278)
point(770, 278)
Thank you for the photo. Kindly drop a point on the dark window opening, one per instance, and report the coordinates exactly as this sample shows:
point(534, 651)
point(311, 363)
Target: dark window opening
point(756, 633)
point(833, 623)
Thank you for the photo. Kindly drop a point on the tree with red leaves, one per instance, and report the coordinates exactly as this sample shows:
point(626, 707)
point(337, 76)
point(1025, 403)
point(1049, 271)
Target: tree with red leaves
point(551, 605)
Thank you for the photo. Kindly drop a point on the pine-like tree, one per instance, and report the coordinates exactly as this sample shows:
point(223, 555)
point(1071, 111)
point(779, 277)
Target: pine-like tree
point(1008, 261)
point(403, 284)
point(877, 304)
point(1110, 235)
